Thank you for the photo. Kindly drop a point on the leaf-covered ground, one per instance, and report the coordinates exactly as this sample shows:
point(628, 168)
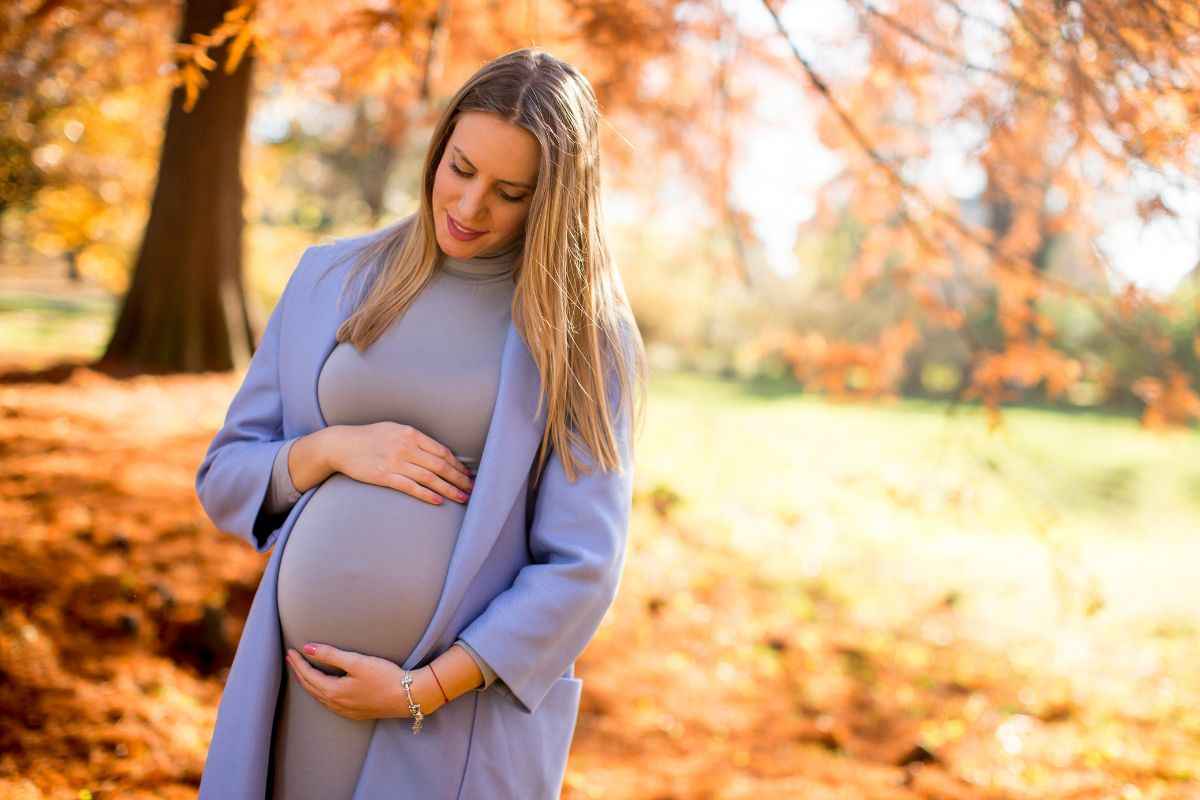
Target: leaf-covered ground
point(877, 641)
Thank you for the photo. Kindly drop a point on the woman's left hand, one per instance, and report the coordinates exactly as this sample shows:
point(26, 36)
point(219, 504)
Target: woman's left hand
point(371, 687)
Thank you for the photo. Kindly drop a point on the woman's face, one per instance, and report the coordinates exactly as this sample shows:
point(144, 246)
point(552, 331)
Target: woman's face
point(484, 183)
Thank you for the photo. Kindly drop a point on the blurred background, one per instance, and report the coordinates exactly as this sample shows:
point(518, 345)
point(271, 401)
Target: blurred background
point(917, 499)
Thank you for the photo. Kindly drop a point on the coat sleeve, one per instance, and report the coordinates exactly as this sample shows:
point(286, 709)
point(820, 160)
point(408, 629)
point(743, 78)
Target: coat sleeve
point(234, 478)
point(281, 492)
point(533, 631)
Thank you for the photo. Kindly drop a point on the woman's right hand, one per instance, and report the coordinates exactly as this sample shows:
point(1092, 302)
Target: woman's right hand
point(401, 457)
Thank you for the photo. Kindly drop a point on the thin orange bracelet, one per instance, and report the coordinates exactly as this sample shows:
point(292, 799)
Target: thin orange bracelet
point(439, 683)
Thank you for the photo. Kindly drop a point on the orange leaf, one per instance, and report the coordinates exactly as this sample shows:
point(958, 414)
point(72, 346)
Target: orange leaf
point(239, 13)
point(193, 80)
point(238, 48)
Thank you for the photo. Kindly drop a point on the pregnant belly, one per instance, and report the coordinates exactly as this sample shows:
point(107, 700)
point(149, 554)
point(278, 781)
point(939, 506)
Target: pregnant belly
point(363, 567)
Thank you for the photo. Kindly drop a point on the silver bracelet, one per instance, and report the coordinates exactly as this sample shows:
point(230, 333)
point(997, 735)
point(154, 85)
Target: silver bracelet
point(414, 708)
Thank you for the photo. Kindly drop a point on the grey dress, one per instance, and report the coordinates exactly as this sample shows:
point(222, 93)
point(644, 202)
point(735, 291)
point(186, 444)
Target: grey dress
point(364, 565)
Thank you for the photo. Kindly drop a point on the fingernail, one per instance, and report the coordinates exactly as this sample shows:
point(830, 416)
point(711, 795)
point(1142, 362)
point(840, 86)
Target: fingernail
point(308, 648)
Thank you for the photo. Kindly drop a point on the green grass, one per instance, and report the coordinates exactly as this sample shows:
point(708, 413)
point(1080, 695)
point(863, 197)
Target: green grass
point(781, 450)
point(41, 327)
point(1023, 522)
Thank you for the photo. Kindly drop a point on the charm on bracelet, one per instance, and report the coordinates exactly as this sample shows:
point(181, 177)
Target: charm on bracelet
point(414, 708)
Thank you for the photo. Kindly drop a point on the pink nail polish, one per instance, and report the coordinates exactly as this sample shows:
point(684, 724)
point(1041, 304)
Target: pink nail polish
point(308, 648)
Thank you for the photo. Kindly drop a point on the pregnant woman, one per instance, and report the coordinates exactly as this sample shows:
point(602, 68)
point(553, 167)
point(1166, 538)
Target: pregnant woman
point(346, 576)
point(443, 469)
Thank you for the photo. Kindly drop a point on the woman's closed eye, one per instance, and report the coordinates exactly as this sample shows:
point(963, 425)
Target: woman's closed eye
point(462, 174)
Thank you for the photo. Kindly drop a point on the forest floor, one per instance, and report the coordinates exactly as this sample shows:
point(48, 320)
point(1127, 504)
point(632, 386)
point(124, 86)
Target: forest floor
point(753, 651)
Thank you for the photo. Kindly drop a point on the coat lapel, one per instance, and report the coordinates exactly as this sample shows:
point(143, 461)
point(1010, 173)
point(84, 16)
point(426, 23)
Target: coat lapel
point(512, 439)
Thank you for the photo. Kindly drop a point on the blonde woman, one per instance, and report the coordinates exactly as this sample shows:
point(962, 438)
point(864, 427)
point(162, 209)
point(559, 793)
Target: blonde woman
point(435, 438)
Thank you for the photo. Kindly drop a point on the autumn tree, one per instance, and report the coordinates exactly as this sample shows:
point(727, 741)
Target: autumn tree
point(185, 309)
point(1064, 105)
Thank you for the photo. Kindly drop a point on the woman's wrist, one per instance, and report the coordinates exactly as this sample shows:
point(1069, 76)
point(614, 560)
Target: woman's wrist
point(314, 457)
point(425, 693)
point(457, 674)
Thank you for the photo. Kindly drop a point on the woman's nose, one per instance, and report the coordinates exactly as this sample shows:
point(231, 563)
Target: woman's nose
point(470, 209)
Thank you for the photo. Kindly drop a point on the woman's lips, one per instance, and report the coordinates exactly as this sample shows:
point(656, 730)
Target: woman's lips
point(460, 233)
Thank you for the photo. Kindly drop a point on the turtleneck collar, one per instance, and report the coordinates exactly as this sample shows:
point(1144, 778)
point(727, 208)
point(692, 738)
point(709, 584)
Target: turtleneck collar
point(484, 268)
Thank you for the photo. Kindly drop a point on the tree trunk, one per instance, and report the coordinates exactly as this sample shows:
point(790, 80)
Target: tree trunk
point(186, 309)
point(370, 157)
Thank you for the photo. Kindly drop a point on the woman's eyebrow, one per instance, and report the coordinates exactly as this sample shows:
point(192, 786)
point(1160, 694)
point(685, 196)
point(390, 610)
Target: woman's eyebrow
point(463, 156)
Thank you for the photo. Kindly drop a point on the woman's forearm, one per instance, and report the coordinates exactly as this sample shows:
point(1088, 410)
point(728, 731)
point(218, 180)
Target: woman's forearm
point(313, 458)
point(457, 671)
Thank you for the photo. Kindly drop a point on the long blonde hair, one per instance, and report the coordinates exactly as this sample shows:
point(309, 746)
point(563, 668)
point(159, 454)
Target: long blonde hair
point(569, 304)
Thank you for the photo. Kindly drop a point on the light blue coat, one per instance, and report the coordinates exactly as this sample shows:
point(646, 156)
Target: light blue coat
point(527, 591)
